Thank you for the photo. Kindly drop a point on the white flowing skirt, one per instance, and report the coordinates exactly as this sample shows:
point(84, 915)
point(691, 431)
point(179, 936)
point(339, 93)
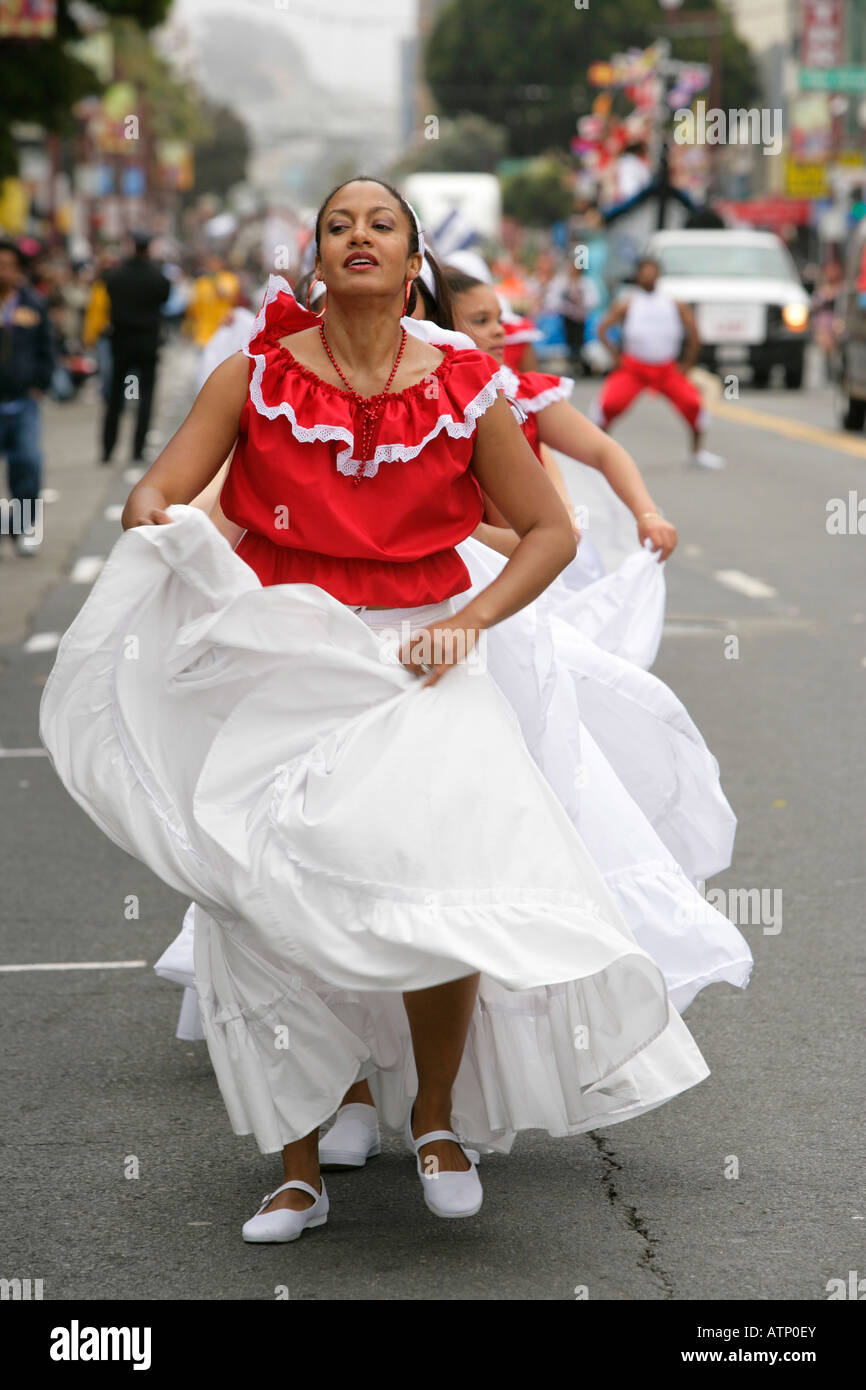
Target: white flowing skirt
point(656, 822)
point(347, 834)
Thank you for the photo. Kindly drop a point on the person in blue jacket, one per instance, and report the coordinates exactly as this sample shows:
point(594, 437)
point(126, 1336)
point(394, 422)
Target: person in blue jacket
point(27, 358)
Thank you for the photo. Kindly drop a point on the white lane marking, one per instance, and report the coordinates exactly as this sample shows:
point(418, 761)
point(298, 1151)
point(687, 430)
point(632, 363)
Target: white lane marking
point(49, 494)
point(114, 512)
point(132, 475)
point(23, 752)
point(78, 965)
point(42, 642)
point(692, 551)
point(86, 568)
point(689, 630)
point(744, 584)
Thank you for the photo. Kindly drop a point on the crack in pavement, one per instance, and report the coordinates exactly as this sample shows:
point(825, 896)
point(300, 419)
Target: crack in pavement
point(649, 1259)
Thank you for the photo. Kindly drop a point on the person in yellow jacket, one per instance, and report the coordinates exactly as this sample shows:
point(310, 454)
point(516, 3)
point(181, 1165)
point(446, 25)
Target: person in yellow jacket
point(96, 328)
point(214, 295)
point(97, 314)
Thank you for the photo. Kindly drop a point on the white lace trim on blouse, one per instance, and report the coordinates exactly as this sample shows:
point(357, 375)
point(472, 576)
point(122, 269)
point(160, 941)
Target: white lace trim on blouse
point(555, 393)
point(532, 404)
point(385, 453)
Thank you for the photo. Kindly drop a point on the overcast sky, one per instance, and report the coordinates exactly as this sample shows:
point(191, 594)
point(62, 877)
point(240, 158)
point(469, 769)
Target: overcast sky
point(346, 42)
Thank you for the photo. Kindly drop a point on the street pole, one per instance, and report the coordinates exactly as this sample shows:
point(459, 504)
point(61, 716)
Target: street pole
point(710, 25)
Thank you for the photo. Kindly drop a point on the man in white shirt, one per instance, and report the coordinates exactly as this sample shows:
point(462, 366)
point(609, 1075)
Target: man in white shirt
point(653, 329)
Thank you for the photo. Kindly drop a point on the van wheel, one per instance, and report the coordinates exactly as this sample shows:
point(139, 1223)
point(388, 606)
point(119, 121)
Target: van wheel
point(794, 375)
point(761, 377)
point(855, 416)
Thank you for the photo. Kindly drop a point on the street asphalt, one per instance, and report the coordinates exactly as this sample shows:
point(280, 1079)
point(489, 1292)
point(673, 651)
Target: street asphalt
point(647, 1210)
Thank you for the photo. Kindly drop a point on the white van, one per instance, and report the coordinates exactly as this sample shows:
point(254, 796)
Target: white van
point(749, 302)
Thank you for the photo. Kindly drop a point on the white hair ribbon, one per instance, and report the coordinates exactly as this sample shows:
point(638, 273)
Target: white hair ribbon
point(426, 274)
point(421, 244)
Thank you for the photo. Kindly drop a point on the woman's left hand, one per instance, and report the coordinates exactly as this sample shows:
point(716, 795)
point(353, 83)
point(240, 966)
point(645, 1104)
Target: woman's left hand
point(660, 533)
point(439, 647)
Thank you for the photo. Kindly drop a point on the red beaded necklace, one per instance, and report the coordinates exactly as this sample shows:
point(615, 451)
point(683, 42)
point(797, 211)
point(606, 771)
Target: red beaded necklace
point(370, 406)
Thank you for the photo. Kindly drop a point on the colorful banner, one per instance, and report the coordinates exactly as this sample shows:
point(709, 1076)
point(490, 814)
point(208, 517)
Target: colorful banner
point(806, 180)
point(822, 41)
point(114, 126)
point(690, 79)
point(175, 164)
point(626, 68)
point(28, 19)
point(811, 127)
point(771, 213)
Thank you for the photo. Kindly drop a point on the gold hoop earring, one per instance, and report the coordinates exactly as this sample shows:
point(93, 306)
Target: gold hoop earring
point(314, 281)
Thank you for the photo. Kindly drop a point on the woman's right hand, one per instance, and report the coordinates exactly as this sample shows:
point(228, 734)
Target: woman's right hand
point(156, 516)
point(145, 506)
point(147, 516)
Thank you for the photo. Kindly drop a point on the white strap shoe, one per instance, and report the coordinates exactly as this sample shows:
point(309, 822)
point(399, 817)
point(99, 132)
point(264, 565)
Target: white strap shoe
point(352, 1139)
point(447, 1194)
point(285, 1224)
point(704, 458)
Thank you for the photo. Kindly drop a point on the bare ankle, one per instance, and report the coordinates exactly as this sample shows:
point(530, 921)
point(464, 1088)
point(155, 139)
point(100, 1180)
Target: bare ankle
point(359, 1094)
point(433, 1112)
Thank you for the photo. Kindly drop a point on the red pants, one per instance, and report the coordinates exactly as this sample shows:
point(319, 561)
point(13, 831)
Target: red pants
point(632, 377)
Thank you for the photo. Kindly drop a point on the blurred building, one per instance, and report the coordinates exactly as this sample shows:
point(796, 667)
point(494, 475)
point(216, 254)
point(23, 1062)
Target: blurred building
point(811, 56)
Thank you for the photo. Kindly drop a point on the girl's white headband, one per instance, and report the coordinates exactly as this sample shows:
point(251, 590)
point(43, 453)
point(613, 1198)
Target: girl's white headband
point(426, 274)
point(421, 245)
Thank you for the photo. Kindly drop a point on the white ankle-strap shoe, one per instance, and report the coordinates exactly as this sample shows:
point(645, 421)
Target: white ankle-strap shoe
point(284, 1224)
point(446, 1193)
point(352, 1139)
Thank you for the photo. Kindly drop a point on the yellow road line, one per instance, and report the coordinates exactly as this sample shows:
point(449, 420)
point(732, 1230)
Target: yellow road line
point(791, 429)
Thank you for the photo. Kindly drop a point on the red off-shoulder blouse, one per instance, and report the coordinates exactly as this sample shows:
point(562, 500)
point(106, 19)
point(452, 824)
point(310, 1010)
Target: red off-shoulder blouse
point(533, 391)
point(389, 540)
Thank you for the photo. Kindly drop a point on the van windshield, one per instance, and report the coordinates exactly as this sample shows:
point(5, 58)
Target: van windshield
point(742, 262)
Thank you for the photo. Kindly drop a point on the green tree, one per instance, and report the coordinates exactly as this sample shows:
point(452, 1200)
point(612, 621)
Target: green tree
point(523, 63)
point(470, 144)
point(172, 109)
point(221, 155)
point(537, 196)
point(41, 81)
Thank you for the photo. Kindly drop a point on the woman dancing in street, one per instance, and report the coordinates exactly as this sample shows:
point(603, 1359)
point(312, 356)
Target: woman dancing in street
point(385, 884)
point(713, 950)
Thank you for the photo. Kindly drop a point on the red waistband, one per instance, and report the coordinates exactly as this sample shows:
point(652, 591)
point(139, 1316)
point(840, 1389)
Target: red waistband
point(395, 583)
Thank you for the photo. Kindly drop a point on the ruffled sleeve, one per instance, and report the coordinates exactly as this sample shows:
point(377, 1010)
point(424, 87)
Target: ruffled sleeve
point(521, 330)
point(280, 315)
point(536, 390)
